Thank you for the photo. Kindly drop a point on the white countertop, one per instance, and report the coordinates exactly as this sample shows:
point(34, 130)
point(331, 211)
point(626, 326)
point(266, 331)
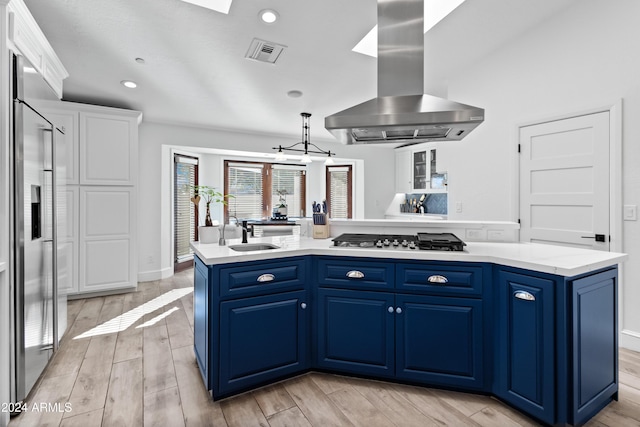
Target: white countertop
point(560, 260)
point(423, 220)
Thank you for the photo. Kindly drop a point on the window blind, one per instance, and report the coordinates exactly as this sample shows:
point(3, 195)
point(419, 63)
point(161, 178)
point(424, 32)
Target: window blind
point(184, 209)
point(291, 182)
point(244, 181)
point(339, 192)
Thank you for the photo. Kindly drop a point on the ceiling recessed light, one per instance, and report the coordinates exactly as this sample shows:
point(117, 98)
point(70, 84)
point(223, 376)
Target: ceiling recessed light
point(268, 16)
point(294, 94)
point(128, 83)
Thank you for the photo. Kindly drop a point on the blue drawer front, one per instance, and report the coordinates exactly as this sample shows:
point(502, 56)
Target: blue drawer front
point(440, 279)
point(355, 274)
point(258, 279)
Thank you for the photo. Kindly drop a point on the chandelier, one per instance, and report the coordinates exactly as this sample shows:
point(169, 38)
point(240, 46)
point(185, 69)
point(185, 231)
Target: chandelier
point(280, 155)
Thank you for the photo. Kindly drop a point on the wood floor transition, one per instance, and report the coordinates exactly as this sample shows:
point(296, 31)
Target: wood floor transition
point(127, 360)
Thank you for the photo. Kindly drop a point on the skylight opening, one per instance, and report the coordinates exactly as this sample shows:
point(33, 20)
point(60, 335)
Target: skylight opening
point(434, 12)
point(221, 6)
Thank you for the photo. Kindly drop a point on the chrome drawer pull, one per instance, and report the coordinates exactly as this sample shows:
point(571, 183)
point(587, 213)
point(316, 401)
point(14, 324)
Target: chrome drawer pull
point(266, 278)
point(436, 278)
point(355, 274)
point(524, 295)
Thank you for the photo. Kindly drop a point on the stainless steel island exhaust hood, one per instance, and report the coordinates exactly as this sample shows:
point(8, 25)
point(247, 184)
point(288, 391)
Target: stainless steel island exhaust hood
point(402, 113)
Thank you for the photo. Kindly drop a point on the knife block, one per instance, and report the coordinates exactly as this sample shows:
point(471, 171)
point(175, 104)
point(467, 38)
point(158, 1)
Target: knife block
point(321, 231)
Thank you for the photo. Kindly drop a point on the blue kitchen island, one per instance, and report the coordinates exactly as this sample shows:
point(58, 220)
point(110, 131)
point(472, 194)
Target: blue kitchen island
point(534, 325)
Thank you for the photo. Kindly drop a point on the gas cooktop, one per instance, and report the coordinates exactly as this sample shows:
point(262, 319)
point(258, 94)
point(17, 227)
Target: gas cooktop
point(425, 241)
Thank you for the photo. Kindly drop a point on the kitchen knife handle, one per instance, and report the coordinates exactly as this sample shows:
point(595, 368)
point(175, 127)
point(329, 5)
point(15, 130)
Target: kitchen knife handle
point(524, 295)
point(437, 278)
point(266, 278)
point(355, 274)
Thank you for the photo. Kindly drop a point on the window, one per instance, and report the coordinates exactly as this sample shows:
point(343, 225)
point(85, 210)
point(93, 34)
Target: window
point(288, 186)
point(245, 182)
point(339, 185)
point(260, 188)
point(185, 214)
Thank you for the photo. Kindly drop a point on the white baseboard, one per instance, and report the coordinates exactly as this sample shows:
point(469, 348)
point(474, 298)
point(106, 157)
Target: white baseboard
point(630, 340)
point(149, 276)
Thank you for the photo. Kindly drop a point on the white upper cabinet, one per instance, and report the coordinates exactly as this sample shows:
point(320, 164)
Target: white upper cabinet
point(101, 143)
point(26, 38)
point(108, 148)
point(416, 170)
point(67, 122)
point(404, 176)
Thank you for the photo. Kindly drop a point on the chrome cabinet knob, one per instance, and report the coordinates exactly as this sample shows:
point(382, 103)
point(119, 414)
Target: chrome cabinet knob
point(398, 310)
point(303, 305)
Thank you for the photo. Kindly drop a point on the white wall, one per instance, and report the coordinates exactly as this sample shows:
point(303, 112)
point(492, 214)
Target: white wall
point(585, 58)
point(375, 174)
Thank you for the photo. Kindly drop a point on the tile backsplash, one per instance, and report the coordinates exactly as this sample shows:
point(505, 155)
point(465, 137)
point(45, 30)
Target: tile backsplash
point(435, 203)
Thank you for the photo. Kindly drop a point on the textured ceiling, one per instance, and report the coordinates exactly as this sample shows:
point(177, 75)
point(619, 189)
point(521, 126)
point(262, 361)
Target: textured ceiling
point(195, 72)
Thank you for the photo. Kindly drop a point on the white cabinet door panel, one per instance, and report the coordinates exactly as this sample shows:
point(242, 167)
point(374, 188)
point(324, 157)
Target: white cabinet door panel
point(107, 238)
point(106, 212)
point(404, 182)
point(108, 149)
point(107, 264)
point(67, 122)
point(68, 248)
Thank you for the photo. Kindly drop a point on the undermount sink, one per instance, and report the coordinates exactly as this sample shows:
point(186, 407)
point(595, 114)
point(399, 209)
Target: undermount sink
point(248, 247)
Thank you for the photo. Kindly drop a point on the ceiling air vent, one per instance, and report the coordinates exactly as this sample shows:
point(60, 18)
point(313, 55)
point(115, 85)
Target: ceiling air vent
point(264, 51)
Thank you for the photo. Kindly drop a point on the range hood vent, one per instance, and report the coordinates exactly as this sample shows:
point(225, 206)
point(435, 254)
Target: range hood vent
point(402, 113)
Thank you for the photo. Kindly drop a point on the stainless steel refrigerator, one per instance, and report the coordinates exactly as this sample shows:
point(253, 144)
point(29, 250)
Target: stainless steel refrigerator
point(37, 216)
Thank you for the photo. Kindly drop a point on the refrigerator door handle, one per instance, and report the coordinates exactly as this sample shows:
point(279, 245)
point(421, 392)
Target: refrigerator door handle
point(50, 156)
point(50, 220)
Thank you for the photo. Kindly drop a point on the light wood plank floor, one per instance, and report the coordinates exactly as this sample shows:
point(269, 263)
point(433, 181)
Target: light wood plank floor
point(141, 371)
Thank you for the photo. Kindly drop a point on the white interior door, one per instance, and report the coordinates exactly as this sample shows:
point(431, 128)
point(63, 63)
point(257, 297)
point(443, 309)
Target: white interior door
point(564, 182)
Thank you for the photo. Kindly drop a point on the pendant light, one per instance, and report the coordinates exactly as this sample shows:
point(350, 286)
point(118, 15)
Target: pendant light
point(306, 158)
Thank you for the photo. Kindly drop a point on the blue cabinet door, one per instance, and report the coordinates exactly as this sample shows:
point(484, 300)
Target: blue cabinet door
point(262, 339)
point(201, 318)
point(439, 340)
point(595, 343)
point(525, 367)
point(355, 331)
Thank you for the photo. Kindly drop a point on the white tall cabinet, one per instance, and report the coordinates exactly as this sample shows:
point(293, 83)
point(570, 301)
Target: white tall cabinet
point(102, 184)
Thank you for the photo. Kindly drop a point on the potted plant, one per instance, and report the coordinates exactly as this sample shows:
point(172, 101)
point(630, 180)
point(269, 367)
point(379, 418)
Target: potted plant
point(282, 203)
point(210, 195)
